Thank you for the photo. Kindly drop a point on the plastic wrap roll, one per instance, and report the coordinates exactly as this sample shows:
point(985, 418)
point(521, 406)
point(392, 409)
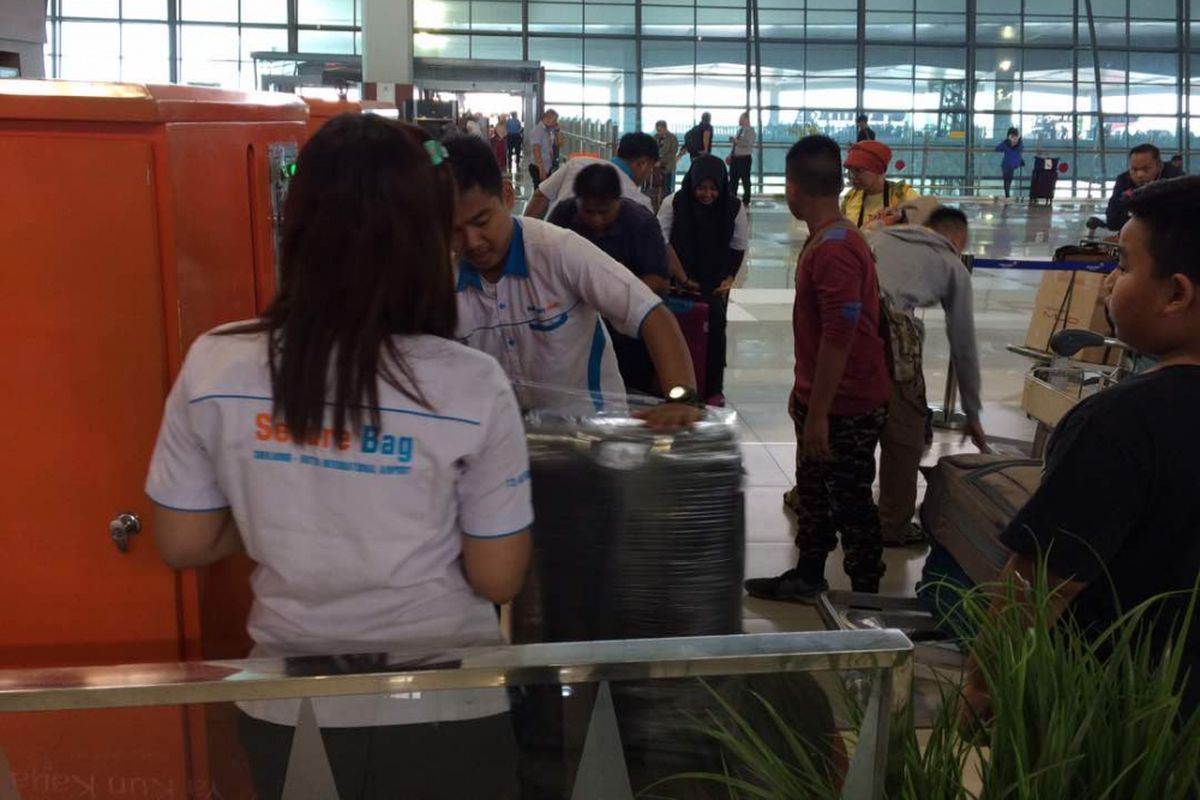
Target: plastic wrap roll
point(638, 533)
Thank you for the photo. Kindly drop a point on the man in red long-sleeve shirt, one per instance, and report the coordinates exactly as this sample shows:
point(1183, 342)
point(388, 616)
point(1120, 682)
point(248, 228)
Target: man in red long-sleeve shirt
point(842, 386)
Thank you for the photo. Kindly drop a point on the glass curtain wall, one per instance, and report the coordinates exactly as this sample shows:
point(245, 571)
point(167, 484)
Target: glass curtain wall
point(942, 80)
point(198, 42)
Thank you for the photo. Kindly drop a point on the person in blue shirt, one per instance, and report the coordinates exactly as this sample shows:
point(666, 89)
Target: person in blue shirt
point(1013, 149)
point(514, 133)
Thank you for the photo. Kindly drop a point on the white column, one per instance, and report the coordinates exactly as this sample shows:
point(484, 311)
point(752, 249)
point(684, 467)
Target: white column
point(23, 35)
point(387, 50)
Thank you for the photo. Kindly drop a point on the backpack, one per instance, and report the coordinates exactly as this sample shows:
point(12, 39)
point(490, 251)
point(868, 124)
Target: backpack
point(903, 336)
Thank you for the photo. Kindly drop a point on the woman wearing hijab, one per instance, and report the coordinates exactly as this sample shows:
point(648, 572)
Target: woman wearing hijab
point(710, 232)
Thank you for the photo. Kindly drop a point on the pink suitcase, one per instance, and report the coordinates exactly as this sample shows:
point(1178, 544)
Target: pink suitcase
point(691, 312)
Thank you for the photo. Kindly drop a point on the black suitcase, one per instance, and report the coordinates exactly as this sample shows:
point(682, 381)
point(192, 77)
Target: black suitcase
point(1043, 180)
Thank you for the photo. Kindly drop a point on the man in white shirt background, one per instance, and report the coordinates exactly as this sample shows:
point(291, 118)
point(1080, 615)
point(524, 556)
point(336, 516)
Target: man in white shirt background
point(531, 294)
point(543, 141)
point(637, 154)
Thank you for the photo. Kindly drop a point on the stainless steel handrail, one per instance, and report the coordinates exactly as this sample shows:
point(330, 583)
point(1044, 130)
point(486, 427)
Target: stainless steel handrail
point(576, 662)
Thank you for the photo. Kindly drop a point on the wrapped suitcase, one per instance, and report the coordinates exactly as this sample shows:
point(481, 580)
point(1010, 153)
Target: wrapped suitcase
point(637, 534)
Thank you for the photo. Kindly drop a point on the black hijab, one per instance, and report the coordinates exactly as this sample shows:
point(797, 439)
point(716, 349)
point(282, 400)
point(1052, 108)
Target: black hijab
point(701, 234)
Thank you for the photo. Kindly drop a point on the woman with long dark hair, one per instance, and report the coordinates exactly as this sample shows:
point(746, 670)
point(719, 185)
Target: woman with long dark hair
point(710, 232)
point(374, 468)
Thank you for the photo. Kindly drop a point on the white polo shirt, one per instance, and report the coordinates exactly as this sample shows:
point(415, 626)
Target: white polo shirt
point(358, 540)
point(560, 187)
point(541, 320)
point(741, 224)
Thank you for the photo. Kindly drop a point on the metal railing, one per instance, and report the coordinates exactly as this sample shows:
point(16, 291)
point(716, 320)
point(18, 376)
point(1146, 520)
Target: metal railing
point(588, 136)
point(880, 661)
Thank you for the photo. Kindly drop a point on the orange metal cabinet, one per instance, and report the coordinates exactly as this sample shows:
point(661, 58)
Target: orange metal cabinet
point(321, 111)
point(133, 219)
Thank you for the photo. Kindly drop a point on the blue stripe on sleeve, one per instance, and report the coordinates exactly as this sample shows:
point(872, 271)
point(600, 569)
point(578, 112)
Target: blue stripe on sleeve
point(498, 535)
point(594, 362)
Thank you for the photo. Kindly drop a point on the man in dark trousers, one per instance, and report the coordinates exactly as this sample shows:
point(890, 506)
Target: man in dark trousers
point(842, 387)
point(865, 134)
point(698, 141)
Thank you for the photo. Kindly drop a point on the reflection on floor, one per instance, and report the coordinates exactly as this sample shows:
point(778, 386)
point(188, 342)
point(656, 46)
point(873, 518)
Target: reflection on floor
point(760, 375)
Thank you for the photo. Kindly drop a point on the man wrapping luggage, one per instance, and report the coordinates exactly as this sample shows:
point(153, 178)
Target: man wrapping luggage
point(531, 294)
point(628, 233)
point(919, 265)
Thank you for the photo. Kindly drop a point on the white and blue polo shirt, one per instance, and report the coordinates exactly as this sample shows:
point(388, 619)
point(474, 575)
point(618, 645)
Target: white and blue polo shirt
point(560, 187)
point(357, 538)
point(541, 320)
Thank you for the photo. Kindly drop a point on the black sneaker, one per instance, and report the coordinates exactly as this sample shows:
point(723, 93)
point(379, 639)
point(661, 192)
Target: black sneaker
point(787, 587)
point(864, 586)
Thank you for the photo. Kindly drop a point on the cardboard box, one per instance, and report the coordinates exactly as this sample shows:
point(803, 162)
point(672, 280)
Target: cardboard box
point(1071, 300)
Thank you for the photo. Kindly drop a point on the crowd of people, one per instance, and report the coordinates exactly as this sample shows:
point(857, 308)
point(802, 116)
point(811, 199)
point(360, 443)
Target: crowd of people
point(411, 298)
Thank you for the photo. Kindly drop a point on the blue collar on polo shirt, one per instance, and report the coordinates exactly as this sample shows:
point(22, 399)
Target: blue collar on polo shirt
point(623, 165)
point(514, 262)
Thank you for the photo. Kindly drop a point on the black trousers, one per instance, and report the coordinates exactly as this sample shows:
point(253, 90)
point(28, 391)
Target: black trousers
point(633, 359)
point(714, 367)
point(431, 761)
point(514, 141)
point(739, 170)
point(1008, 179)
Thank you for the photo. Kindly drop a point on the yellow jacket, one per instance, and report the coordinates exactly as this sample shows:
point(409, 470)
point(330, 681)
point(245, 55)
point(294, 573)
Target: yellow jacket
point(895, 194)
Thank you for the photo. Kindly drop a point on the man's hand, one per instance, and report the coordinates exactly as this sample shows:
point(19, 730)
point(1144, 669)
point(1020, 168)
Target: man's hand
point(724, 288)
point(974, 432)
point(670, 416)
point(815, 446)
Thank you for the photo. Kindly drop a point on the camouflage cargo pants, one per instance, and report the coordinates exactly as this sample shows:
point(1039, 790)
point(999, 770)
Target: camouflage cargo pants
point(834, 496)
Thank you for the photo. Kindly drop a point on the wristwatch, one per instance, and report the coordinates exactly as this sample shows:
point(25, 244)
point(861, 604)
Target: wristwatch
point(682, 394)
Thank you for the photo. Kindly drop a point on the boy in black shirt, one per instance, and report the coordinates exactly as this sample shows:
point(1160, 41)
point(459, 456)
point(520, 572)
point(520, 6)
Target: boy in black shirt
point(1118, 510)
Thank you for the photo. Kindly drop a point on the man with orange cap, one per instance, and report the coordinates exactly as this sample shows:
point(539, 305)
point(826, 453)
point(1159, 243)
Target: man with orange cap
point(872, 195)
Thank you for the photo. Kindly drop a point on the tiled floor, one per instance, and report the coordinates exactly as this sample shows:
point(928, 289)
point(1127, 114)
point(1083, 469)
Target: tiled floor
point(759, 376)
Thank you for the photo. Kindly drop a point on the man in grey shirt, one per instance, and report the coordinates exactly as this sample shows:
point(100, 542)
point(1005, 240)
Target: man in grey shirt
point(920, 265)
point(741, 158)
point(542, 141)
